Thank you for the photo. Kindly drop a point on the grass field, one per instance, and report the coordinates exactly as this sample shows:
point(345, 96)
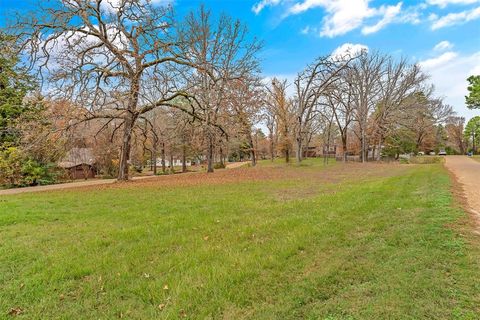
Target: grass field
point(274, 242)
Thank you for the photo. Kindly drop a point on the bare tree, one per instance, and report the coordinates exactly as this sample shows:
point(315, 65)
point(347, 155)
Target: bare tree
point(367, 72)
point(100, 55)
point(282, 107)
point(455, 129)
point(400, 80)
point(224, 53)
point(340, 99)
point(310, 85)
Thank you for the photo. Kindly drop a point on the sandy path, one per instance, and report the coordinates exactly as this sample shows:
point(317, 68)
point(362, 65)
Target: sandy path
point(69, 185)
point(467, 172)
point(234, 165)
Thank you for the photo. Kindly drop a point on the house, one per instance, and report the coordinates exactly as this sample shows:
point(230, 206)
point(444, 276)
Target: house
point(310, 152)
point(79, 163)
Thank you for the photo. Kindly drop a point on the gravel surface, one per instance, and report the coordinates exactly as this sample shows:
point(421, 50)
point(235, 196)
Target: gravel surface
point(467, 172)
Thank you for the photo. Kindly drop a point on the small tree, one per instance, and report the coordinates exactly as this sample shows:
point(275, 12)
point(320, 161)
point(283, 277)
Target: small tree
point(473, 99)
point(472, 132)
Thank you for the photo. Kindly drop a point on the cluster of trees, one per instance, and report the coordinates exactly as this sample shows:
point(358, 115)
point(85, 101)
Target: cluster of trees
point(136, 83)
point(367, 103)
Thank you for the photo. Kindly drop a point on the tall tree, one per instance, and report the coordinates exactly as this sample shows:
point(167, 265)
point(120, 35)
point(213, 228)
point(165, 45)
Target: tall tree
point(340, 97)
point(245, 103)
point(367, 73)
point(282, 107)
point(455, 127)
point(310, 85)
point(223, 52)
point(102, 55)
point(15, 83)
point(400, 80)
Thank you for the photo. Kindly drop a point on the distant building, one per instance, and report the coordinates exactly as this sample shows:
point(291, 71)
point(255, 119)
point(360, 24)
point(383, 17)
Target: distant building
point(176, 162)
point(79, 163)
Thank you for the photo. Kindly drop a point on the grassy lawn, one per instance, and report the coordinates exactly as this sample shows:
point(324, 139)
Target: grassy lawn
point(306, 246)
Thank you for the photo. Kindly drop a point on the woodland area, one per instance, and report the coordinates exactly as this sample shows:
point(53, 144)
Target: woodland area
point(141, 88)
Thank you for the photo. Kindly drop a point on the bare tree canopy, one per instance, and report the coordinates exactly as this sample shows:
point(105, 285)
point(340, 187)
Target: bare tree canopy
point(120, 62)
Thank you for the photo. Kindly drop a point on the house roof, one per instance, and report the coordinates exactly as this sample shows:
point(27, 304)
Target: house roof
point(77, 156)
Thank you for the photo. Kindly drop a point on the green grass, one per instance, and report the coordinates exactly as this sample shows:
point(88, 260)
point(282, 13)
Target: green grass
point(384, 248)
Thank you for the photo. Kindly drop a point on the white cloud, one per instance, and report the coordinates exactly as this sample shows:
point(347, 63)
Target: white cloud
point(343, 16)
point(348, 49)
point(438, 61)
point(454, 18)
point(389, 14)
point(444, 3)
point(113, 5)
point(258, 7)
point(449, 78)
point(442, 46)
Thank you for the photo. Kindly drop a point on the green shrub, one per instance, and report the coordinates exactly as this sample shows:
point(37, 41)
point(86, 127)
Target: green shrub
point(424, 160)
point(18, 170)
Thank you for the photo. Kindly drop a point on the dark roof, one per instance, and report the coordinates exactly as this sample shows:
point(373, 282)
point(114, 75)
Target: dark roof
point(77, 156)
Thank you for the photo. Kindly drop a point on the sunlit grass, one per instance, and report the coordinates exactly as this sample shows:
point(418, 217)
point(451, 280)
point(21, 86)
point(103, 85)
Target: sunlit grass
point(390, 247)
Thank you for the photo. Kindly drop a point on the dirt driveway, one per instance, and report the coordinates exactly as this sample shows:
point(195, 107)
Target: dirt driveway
point(467, 172)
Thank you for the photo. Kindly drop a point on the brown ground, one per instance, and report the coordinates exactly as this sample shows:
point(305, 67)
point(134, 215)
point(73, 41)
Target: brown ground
point(336, 173)
point(467, 173)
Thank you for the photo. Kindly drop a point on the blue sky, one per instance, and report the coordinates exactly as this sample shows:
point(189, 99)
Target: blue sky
point(442, 35)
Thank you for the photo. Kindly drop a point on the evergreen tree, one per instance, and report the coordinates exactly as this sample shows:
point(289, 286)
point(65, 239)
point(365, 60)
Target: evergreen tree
point(15, 83)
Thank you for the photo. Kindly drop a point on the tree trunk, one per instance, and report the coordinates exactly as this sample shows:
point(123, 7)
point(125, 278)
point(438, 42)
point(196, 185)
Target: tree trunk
point(163, 158)
point(344, 146)
point(380, 142)
point(154, 157)
point(172, 169)
point(299, 149)
point(184, 158)
point(272, 148)
point(125, 151)
point(222, 162)
point(362, 143)
point(127, 130)
point(210, 155)
point(253, 155)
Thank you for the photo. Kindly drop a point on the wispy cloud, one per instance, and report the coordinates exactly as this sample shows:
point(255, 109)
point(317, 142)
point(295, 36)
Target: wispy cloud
point(389, 14)
point(449, 72)
point(442, 46)
point(452, 19)
point(438, 61)
point(343, 16)
point(444, 3)
point(259, 6)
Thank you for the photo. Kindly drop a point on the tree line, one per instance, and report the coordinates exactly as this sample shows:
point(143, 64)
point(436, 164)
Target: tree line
point(137, 83)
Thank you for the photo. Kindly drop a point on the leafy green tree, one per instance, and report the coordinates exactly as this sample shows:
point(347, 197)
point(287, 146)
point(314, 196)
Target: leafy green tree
point(472, 132)
point(15, 83)
point(473, 98)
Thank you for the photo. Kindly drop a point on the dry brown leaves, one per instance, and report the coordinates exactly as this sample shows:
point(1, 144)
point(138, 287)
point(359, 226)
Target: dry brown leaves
point(334, 174)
